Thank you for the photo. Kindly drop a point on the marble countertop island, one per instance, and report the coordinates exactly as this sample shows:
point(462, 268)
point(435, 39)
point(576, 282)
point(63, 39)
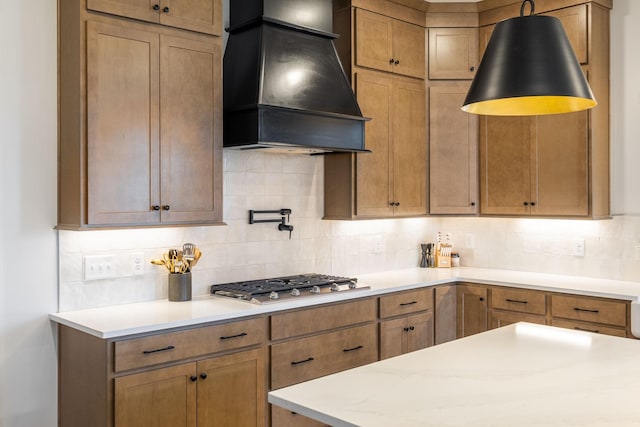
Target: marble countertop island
point(519, 375)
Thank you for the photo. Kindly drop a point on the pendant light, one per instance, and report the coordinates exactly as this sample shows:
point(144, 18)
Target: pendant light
point(528, 69)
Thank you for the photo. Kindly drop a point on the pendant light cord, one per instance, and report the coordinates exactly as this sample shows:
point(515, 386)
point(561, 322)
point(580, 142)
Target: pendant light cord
point(533, 7)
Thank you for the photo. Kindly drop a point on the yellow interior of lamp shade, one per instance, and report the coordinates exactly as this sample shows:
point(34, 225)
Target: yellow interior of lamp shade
point(530, 106)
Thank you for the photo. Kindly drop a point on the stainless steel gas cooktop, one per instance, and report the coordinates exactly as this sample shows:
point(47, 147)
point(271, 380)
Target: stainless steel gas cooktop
point(286, 288)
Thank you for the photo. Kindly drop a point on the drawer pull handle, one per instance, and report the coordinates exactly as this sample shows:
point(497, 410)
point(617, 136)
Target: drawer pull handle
point(586, 310)
point(353, 348)
point(516, 301)
point(243, 334)
point(402, 304)
point(309, 359)
point(167, 348)
point(595, 331)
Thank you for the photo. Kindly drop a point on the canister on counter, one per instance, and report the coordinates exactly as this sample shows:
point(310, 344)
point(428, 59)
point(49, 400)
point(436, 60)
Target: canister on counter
point(455, 259)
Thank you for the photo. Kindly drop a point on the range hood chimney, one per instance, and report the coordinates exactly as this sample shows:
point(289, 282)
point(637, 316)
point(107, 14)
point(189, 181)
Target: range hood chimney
point(284, 87)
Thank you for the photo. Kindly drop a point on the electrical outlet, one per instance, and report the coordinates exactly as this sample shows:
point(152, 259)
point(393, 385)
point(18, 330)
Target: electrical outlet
point(137, 264)
point(378, 245)
point(468, 241)
point(578, 247)
point(96, 267)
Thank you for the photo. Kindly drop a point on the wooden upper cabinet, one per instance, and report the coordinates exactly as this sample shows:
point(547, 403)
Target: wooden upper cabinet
point(203, 16)
point(574, 22)
point(391, 181)
point(153, 143)
point(453, 53)
point(505, 165)
point(389, 44)
point(123, 123)
point(453, 153)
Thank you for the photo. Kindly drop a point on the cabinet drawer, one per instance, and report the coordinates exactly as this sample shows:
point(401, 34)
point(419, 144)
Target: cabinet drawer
point(498, 319)
point(589, 327)
point(307, 358)
point(406, 302)
point(589, 309)
point(312, 320)
point(281, 417)
point(523, 301)
point(172, 346)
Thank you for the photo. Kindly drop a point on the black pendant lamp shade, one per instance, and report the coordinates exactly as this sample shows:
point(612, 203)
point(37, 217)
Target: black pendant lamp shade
point(528, 69)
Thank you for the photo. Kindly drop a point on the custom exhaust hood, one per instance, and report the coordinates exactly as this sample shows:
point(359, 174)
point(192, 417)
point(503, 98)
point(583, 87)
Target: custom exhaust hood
point(284, 87)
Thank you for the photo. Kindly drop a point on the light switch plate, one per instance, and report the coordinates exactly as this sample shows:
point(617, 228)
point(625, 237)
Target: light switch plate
point(97, 267)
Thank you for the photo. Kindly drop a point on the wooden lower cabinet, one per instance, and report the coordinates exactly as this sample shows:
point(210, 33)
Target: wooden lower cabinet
point(406, 334)
point(162, 397)
point(471, 309)
point(281, 417)
point(498, 319)
point(220, 391)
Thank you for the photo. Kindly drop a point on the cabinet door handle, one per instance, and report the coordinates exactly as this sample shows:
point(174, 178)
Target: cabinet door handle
point(165, 9)
point(526, 203)
point(473, 203)
point(156, 7)
point(297, 362)
point(396, 62)
point(203, 375)
point(391, 61)
point(586, 310)
point(242, 334)
point(166, 207)
point(402, 304)
point(595, 331)
point(533, 203)
point(410, 328)
point(472, 68)
point(157, 350)
point(516, 301)
point(193, 378)
point(155, 207)
point(352, 348)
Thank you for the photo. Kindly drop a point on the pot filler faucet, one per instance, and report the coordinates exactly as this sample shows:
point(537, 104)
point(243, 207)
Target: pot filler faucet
point(282, 226)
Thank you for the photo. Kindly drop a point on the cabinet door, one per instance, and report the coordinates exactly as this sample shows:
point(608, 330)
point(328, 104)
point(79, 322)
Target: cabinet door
point(136, 9)
point(409, 148)
point(190, 118)
point(204, 16)
point(374, 41)
point(560, 157)
point(453, 53)
point(574, 22)
point(505, 170)
point(445, 314)
point(453, 148)
point(232, 390)
point(408, 49)
point(393, 338)
point(472, 310)
point(122, 124)
point(420, 331)
point(162, 398)
point(373, 184)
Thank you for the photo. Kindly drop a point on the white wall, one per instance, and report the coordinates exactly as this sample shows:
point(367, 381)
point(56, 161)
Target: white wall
point(28, 288)
point(28, 256)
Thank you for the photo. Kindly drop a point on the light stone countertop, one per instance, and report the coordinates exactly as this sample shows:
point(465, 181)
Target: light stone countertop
point(519, 375)
point(128, 319)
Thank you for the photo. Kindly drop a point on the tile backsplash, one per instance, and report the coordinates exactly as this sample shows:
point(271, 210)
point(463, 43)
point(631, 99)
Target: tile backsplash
point(262, 181)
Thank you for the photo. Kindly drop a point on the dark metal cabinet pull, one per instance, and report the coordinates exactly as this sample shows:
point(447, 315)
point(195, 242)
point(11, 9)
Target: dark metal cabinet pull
point(353, 348)
point(193, 378)
point(516, 301)
point(166, 207)
point(166, 9)
point(155, 208)
point(410, 328)
point(167, 348)
point(203, 375)
point(586, 310)
point(402, 304)
point(308, 359)
point(242, 334)
point(595, 331)
point(156, 7)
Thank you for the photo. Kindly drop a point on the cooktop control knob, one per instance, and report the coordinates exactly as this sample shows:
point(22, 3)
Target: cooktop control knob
point(335, 287)
point(274, 295)
point(295, 292)
point(315, 289)
point(352, 284)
